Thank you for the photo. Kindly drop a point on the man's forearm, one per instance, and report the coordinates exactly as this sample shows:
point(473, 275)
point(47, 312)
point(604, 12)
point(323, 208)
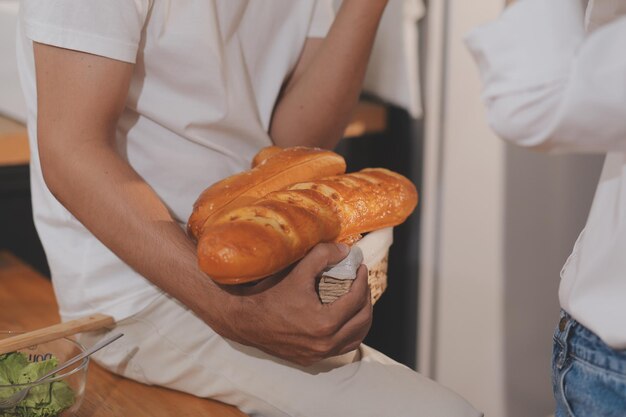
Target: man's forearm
point(318, 101)
point(138, 226)
point(80, 97)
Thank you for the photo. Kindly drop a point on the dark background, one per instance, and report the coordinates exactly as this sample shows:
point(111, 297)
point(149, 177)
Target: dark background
point(17, 232)
point(399, 148)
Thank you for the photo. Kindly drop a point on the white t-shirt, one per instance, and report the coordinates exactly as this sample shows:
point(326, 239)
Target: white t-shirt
point(554, 78)
point(206, 79)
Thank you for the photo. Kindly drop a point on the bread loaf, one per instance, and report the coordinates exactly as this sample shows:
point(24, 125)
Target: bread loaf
point(367, 200)
point(251, 242)
point(264, 154)
point(277, 168)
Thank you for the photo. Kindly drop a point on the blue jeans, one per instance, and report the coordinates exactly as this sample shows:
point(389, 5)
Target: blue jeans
point(588, 377)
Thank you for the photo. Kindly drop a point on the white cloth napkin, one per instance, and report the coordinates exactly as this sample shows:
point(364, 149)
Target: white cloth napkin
point(369, 251)
point(346, 269)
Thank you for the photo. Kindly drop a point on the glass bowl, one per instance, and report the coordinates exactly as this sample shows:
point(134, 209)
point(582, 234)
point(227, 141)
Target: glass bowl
point(60, 396)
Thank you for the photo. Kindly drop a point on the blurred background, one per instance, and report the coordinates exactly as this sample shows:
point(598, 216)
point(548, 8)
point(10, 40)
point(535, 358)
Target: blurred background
point(473, 276)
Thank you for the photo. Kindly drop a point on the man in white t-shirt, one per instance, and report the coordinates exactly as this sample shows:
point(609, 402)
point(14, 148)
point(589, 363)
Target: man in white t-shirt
point(555, 79)
point(134, 108)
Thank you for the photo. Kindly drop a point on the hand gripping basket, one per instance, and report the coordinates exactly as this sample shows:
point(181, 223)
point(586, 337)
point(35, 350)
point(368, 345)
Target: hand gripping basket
point(375, 247)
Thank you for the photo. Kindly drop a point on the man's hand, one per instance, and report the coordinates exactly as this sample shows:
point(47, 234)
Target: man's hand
point(283, 316)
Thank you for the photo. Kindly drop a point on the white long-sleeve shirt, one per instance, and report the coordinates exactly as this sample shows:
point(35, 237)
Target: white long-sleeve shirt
point(555, 79)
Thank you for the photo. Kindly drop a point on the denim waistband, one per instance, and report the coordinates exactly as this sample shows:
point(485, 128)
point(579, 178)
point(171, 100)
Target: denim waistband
point(579, 342)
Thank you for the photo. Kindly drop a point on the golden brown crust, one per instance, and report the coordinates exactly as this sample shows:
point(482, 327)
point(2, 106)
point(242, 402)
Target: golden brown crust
point(255, 241)
point(370, 199)
point(280, 169)
point(252, 242)
point(264, 154)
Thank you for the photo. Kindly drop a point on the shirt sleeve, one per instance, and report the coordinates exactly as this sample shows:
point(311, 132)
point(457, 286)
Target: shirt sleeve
point(322, 19)
point(548, 84)
point(109, 28)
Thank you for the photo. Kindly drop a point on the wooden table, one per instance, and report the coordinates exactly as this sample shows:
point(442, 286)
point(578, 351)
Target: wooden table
point(27, 302)
point(13, 143)
point(367, 119)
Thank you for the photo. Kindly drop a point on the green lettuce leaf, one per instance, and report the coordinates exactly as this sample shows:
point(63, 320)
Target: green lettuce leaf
point(44, 400)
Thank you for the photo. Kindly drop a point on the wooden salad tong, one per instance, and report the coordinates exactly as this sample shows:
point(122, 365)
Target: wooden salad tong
point(56, 331)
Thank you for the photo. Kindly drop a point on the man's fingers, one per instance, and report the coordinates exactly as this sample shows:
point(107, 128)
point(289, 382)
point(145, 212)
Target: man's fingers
point(268, 282)
point(351, 302)
point(345, 322)
point(350, 336)
point(353, 331)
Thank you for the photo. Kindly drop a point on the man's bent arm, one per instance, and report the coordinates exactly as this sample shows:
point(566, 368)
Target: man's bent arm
point(318, 100)
point(80, 97)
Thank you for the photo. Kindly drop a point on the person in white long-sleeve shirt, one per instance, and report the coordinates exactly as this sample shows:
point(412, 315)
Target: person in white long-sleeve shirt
point(555, 80)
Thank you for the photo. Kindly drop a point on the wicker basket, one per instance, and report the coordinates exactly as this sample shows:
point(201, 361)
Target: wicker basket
point(375, 247)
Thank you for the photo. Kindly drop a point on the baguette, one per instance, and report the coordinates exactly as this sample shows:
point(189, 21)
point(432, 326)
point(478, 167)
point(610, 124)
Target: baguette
point(264, 154)
point(251, 242)
point(278, 169)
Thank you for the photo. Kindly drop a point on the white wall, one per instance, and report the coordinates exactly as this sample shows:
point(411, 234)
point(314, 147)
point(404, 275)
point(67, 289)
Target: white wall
point(547, 199)
point(498, 223)
point(467, 345)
